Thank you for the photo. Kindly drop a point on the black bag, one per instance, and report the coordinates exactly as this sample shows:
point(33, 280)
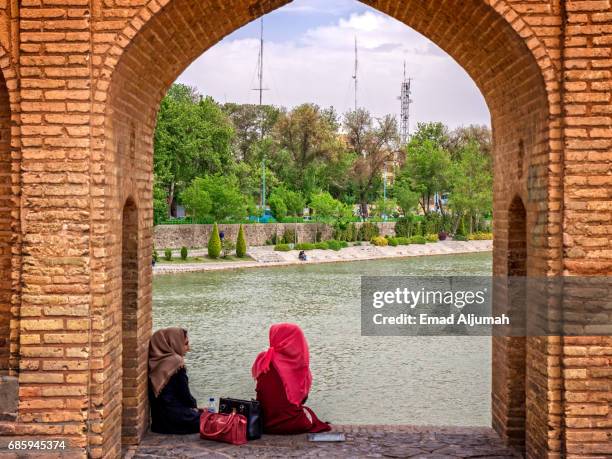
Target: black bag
point(251, 409)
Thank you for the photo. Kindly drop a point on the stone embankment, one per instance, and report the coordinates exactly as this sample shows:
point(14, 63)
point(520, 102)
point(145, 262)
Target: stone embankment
point(266, 256)
point(177, 236)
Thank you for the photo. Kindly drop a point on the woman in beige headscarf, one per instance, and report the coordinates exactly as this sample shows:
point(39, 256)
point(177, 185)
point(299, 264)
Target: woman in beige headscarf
point(173, 409)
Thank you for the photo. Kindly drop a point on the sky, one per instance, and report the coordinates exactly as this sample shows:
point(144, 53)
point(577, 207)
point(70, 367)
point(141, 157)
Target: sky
point(309, 57)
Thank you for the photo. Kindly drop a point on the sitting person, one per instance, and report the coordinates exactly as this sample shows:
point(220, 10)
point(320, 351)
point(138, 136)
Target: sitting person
point(173, 409)
point(302, 255)
point(283, 382)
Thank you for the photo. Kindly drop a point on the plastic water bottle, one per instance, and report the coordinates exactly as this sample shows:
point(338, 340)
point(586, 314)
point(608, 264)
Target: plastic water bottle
point(212, 405)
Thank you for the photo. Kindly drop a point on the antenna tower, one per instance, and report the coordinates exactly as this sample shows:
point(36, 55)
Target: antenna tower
point(261, 89)
point(355, 75)
point(405, 111)
point(260, 65)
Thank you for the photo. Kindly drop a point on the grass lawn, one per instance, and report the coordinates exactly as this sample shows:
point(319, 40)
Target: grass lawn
point(201, 259)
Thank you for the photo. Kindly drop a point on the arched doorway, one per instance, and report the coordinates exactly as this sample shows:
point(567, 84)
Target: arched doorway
point(481, 39)
point(6, 230)
point(509, 382)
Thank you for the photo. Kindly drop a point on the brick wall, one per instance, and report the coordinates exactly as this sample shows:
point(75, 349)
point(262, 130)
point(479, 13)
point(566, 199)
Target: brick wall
point(84, 79)
point(587, 217)
point(177, 236)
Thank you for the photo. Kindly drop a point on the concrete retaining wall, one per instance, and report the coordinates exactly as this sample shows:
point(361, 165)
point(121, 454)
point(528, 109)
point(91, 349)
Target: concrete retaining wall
point(191, 236)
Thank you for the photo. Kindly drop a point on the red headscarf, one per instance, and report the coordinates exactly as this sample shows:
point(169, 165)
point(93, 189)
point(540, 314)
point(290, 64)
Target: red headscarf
point(288, 352)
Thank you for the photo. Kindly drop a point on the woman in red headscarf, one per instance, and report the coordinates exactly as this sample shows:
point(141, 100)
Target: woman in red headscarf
point(283, 382)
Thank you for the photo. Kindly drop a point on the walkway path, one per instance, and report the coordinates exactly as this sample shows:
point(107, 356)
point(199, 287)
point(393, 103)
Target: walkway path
point(266, 256)
point(361, 441)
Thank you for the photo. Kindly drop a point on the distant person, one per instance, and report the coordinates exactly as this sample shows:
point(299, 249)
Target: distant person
point(283, 382)
point(302, 255)
point(173, 409)
point(221, 235)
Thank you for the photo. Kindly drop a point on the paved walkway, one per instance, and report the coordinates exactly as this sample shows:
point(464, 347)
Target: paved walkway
point(266, 256)
point(361, 441)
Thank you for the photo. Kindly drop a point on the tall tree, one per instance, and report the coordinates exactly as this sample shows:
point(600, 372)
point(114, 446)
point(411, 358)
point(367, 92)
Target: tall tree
point(305, 137)
point(192, 138)
point(463, 135)
point(472, 182)
point(251, 123)
point(374, 142)
point(427, 164)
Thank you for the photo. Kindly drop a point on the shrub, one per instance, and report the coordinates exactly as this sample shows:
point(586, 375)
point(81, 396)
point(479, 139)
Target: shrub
point(393, 242)
point(241, 245)
point(184, 253)
point(480, 236)
point(305, 246)
point(348, 234)
point(418, 240)
point(168, 254)
point(282, 247)
point(321, 246)
point(357, 244)
point(403, 240)
point(228, 247)
point(214, 243)
point(288, 236)
point(431, 238)
point(379, 241)
point(155, 256)
point(403, 227)
point(344, 244)
point(334, 245)
point(367, 231)
point(460, 237)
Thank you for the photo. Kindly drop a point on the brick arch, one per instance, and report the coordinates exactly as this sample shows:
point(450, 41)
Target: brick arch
point(500, 52)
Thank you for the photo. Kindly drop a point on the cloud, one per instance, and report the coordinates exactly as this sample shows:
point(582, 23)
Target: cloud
point(327, 7)
point(317, 66)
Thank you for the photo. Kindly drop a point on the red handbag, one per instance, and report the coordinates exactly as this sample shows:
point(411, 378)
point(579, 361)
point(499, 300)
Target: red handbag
point(228, 428)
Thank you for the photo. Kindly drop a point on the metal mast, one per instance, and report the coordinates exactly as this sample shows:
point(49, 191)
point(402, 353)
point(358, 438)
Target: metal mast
point(355, 75)
point(261, 89)
point(405, 108)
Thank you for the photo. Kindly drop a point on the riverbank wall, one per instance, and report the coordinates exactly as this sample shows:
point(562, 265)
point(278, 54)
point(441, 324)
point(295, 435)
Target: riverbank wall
point(266, 256)
point(193, 236)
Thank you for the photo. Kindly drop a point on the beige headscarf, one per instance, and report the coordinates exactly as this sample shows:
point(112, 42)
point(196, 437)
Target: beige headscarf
point(166, 356)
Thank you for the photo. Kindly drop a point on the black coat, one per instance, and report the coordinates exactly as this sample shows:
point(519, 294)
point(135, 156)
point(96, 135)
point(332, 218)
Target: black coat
point(175, 411)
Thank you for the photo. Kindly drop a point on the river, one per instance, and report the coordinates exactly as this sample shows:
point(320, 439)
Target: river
point(356, 379)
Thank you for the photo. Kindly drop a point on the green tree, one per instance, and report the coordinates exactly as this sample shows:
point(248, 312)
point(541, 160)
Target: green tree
point(227, 201)
point(192, 138)
point(278, 206)
point(160, 204)
point(463, 135)
point(214, 243)
point(325, 207)
point(196, 199)
point(241, 245)
point(292, 201)
point(471, 194)
point(426, 168)
point(251, 123)
point(305, 140)
point(385, 207)
point(407, 199)
point(374, 143)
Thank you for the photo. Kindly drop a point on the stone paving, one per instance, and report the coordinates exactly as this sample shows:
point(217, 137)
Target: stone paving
point(361, 441)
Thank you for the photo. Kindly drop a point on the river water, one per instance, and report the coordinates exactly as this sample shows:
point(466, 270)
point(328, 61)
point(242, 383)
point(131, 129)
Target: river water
point(356, 379)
